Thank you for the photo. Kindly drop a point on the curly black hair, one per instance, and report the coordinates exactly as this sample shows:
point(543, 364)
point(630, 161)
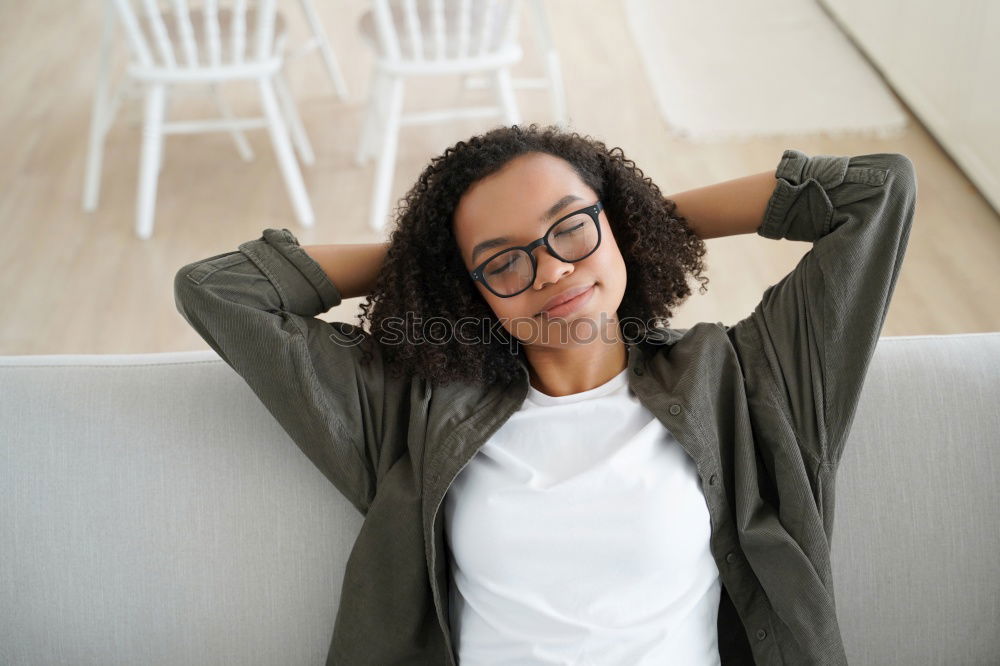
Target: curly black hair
point(423, 274)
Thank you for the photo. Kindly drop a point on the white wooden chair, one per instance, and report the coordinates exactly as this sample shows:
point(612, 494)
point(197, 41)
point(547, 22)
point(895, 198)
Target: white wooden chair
point(429, 38)
point(552, 79)
point(183, 44)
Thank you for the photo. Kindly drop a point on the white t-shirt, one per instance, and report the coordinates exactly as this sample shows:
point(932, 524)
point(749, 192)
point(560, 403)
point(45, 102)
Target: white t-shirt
point(579, 534)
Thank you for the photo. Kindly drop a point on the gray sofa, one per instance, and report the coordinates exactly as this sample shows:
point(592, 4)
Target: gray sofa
point(153, 512)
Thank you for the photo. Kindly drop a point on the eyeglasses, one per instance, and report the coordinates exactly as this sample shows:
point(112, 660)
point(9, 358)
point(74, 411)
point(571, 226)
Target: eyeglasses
point(570, 238)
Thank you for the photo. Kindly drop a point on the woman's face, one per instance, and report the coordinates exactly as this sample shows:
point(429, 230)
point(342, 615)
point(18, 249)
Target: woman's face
point(518, 202)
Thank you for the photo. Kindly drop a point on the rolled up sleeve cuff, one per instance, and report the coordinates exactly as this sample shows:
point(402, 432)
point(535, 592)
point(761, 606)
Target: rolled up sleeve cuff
point(794, 172)
point(302, 284)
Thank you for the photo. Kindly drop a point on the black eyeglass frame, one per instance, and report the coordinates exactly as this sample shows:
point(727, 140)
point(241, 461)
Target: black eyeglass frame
point(592, 210)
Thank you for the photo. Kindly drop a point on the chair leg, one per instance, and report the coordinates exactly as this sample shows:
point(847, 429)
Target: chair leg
point(387, 155)
point(149, 166)
point(329, 60)
point(286, 158)
point(505, 90)
point(167, 99)
point(371, 121)
point(240, 139)
point(99, 117)
point(299, 137)
point(543, 38)
point(558, 92)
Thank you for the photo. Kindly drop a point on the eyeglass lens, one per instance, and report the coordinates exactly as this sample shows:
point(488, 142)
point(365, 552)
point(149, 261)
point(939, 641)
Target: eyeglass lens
point(572, 239)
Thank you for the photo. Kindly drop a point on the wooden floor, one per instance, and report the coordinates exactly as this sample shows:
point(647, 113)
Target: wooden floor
point(76, 282)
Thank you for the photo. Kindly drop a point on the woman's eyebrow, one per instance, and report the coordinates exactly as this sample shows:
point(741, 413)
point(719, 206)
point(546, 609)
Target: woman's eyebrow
point(548, 215)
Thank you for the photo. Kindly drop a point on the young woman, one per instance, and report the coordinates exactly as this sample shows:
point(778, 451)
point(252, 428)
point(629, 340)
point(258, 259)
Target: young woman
point(548, 473)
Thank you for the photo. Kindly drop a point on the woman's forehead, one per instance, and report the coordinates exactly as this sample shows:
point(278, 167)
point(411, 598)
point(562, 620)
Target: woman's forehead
point(524, 195)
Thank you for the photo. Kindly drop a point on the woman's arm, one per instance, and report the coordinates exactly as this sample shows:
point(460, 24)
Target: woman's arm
point(257, 308)
point(727, 208)
point(352, 268)
point(814, 332)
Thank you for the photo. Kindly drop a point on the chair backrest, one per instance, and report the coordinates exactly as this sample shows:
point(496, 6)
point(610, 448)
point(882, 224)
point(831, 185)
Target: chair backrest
point(192, 34)
point(445, 30)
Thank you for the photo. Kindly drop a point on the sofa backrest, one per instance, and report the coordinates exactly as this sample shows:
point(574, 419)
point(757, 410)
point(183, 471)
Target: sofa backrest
point(152, 511)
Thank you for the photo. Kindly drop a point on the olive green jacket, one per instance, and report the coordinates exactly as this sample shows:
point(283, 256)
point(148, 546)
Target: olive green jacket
point(763, 407)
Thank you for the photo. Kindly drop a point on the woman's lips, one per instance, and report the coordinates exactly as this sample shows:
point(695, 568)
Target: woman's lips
point(569, 306)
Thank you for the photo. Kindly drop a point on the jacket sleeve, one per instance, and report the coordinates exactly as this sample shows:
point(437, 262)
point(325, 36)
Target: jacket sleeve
point(256, 307)
point(820, 324)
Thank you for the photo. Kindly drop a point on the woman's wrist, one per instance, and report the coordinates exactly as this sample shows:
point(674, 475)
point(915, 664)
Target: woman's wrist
point(353, 268)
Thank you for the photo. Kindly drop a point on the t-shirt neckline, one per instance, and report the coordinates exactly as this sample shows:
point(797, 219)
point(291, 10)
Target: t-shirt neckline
point(613, 384)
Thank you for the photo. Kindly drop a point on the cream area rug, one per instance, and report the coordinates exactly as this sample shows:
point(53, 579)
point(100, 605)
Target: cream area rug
point(732, 69)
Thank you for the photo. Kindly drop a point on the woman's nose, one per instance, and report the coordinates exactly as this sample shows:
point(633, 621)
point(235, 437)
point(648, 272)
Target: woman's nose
point(549, 267)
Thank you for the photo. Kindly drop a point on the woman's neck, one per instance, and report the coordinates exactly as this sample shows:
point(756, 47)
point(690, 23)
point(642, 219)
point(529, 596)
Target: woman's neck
point(569, 370)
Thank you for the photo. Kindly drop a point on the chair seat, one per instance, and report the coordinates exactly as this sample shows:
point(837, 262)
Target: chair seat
point(366, 25)
point(226, 29)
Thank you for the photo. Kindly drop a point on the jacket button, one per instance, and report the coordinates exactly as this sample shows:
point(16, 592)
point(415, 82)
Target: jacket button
point(637, 370)
point(675, 409)
point(731, 557)
point(711, 480)
point(761, 634)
